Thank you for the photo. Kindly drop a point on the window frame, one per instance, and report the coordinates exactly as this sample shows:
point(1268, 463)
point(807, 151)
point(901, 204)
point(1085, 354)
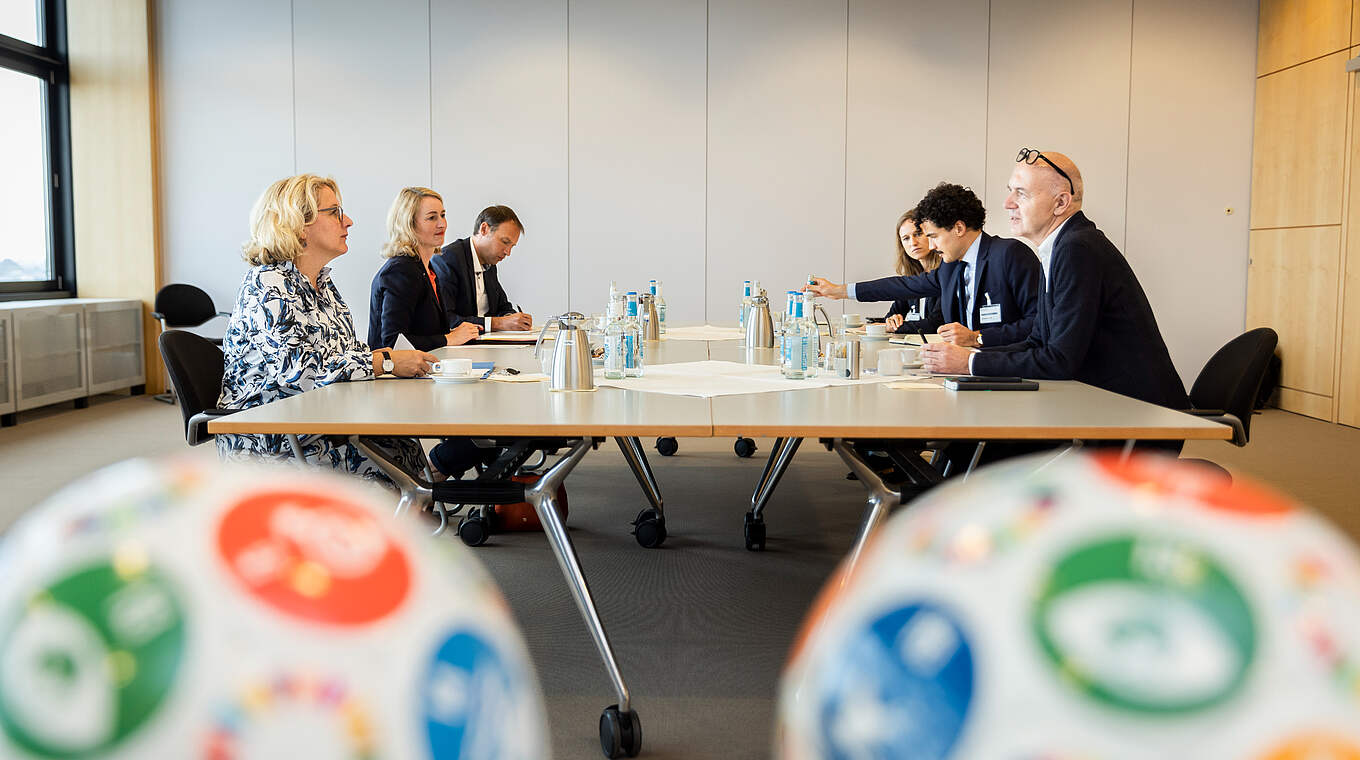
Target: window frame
point(50, 63)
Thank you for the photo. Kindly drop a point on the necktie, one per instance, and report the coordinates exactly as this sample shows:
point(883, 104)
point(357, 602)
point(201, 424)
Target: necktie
point(963, 296)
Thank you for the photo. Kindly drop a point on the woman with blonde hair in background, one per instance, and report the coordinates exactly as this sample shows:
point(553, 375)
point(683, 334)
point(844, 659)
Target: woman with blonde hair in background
point(407, 299)
point(291, 332)
point(914, 256)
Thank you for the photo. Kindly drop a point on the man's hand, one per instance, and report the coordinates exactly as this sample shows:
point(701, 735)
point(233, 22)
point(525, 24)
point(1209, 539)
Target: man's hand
point(893, 322)
point(826, 288)
point(516, 321)
point(959, 335)
point(945, 358)
point(463, 333)
point(409, 363)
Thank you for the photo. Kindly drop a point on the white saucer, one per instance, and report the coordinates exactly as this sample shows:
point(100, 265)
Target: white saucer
point(455, 379)
point(913, 365)
point(874, 338)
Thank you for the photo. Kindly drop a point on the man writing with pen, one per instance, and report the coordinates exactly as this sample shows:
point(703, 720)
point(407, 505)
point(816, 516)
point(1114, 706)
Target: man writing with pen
point(467, 270)
point(988, 286)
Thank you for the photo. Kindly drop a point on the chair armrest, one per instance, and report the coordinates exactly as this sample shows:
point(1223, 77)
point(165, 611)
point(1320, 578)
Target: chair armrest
point(224, 314)
point(1205, 412)
point(1239, 434)
point(196, 429)
point(157, 315)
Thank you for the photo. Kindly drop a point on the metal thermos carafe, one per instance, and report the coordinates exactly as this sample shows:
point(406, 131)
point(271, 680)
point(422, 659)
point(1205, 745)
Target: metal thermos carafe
point(571, 368)
point(759, 326)
point(651, 321)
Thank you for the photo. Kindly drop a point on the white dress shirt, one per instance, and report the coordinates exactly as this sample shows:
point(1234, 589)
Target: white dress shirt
point(1045, 252)
point(970, 258)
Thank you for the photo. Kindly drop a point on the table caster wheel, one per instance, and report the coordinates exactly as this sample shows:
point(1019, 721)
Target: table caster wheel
point(474, 530)
point(744, 447)
point(755, 533)
point(667, 446)
point(649, 528)
point(620, 733)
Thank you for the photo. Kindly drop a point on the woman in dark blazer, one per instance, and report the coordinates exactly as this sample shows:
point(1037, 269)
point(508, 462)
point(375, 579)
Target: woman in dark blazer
point(914, 256)
point(405, 299)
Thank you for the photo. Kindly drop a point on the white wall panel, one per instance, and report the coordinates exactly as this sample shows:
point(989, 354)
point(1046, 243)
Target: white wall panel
point(776, 146)
point(1190, 159)
point(225, 98)
point(917, 116)
point(1059, 80)
point(637, 109)
point(500, 132)
point(363, 119)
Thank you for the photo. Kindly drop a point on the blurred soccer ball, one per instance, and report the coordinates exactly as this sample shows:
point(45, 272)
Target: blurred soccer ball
point(1091, 609)
point(186, 611)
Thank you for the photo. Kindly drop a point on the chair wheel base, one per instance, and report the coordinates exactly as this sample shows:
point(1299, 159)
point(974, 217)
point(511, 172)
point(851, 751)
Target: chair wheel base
point(649, 528)
point(620, 733)
point(755, 533)
point(667, 446)
point(744, 447)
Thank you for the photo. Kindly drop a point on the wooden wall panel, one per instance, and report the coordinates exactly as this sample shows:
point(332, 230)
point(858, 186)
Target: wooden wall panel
point(1291, 287)
point(1294, 31)
point(1348, 388)
point(1309, 404)
point(112, 151)
point(1297, 167)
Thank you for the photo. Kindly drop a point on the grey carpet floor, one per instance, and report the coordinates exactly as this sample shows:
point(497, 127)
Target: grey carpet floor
point(701, 626)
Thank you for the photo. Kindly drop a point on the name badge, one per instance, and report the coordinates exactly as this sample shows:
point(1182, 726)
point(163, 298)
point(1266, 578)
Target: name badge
point(913, 316)
point(990, 315)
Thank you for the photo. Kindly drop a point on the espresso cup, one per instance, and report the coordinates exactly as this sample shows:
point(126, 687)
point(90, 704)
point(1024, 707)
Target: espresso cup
point(852, 320)
point(910, 356)
point(875, 328)
point(452, 367)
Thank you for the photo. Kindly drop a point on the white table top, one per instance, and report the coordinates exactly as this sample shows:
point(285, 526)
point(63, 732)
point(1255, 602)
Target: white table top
point(1058, 410)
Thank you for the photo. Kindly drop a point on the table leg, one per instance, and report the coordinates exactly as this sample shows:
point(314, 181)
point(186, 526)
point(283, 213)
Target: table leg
point(636, 457)
point(413, 492)
point(972, 463)
point(882, 498)
point(781, 454)
point(542, 495)
point(1128, 450)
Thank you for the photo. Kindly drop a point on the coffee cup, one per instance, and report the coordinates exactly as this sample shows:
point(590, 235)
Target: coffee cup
point(852, 320)
point(876, 328)
point(452, 367)
point(889, 363)
point(910, 356)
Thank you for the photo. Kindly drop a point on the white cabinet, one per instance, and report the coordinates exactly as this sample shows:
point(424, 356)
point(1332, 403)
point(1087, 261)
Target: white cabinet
point(7, 403)
point(49, 348)
point(113, 346)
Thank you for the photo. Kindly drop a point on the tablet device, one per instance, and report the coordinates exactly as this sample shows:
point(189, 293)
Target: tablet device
point(972, 383)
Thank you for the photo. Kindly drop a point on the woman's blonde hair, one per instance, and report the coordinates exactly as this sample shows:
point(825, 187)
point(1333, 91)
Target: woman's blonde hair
point(401, 221)
point(277, 219)
point(906, 265)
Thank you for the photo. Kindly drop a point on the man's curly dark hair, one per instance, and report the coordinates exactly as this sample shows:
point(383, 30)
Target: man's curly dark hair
point(947, 203)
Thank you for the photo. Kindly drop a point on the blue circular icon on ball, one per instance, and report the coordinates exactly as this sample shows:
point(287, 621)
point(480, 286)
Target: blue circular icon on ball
point(471, 700)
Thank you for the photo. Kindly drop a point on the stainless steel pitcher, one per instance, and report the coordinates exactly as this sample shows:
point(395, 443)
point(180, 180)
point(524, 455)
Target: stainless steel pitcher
point(759, 326)
point(571, 368)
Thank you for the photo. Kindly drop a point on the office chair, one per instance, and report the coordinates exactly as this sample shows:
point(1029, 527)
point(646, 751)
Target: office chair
point(179, 306)
point(1225, 390)
point(195, 365)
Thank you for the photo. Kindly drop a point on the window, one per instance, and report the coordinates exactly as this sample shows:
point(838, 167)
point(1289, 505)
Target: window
point(36, 254)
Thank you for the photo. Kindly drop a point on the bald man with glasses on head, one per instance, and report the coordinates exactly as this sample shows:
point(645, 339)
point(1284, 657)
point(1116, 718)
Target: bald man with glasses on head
point(1094, 322)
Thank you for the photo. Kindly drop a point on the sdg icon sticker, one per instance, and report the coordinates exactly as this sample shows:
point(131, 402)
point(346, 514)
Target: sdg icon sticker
point(89, 660)
point(314, 557)
point(1146, 624)
point(900, 687)
point(470, 700)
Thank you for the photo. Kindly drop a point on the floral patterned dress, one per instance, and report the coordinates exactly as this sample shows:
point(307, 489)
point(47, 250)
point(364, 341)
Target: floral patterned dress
point(286, 337)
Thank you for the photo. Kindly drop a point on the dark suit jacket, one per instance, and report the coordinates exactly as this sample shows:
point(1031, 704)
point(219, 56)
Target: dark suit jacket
point(453, 267)
point(1007, 270)
point(402, 301)
point(931, 318)
point(1094, 325)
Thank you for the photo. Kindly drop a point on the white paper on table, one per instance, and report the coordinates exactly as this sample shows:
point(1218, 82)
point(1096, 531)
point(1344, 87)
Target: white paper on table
point(523, 377)
point(916, 385)
point(402, 343)
point(703, 332)
point(710, 378)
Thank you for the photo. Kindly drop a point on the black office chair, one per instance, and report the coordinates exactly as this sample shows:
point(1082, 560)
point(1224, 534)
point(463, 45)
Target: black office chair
point(196, 366)
point(179, 306)
point(1226, 388)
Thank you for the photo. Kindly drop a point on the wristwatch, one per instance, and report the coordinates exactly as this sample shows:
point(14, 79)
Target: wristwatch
point(388, 364)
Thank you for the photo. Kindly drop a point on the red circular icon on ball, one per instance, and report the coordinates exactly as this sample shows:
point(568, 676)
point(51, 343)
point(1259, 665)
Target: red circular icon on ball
point(314, 557)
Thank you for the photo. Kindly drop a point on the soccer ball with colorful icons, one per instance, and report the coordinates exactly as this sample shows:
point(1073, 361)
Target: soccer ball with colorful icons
point(191, 610)
point(1096, 609)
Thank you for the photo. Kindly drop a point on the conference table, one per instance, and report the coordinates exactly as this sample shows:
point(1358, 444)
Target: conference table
point(845, 417)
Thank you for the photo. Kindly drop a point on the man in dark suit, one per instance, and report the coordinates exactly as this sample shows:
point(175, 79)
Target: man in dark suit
point(467, 270)
point(988, 287)
point(1094, 322)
